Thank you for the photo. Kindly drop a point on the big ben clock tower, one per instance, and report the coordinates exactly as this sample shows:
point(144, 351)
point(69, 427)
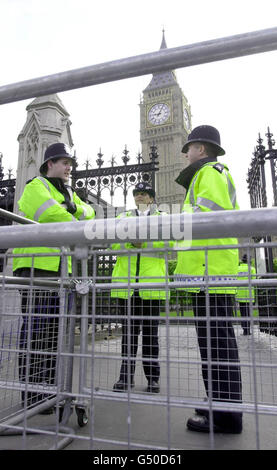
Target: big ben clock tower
point(165, 121)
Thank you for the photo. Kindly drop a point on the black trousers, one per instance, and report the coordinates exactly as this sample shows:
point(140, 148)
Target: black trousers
point(245, 312)
point(225, 378)
point(39, 334)
point(130, 333)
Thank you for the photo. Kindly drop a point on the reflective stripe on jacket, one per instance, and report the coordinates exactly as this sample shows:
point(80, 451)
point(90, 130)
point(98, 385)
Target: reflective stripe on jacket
point(244, 294)
point(140, 266)
point(211, 189)
point(43, 203)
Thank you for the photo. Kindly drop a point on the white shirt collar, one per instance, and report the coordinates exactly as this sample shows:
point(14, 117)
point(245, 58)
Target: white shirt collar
point(143, 213)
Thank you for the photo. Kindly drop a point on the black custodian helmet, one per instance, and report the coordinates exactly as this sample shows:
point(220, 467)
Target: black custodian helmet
point(144, 187)
point(58, 150)
point(205, 134)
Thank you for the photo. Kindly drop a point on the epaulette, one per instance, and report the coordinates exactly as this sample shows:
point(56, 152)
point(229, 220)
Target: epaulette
point(29, 181)
point(219, 167)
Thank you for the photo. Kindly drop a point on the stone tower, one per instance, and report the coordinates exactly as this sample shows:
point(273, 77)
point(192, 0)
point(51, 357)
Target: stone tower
point(165, 121)
point(47, 122)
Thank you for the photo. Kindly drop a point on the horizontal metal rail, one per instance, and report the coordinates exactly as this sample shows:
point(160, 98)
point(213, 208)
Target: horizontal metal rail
point(166, 59)
point(219, 224)
point(188, 403)
point(34, 282)
point(16, 218)
point(200, 281)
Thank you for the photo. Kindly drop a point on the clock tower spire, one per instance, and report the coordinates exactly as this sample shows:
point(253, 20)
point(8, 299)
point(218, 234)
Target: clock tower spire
point(163, 44)
point(165, 121)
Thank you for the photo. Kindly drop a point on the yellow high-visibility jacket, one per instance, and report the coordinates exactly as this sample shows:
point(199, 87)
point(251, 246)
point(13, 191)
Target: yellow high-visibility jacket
point(211, 189)
point(42, 202)
point(143, 267)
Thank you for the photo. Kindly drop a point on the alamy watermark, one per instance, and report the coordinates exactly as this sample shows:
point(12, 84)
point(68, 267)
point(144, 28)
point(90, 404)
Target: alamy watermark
point(123, 225)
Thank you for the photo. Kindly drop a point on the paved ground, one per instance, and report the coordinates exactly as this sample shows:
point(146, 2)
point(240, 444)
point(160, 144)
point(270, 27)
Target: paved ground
point(120, 425)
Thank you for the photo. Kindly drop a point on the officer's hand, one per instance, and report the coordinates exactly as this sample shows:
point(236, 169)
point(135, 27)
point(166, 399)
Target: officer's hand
point(70, 207)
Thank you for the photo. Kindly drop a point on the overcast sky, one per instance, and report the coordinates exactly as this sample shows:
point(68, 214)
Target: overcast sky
point(237, 96)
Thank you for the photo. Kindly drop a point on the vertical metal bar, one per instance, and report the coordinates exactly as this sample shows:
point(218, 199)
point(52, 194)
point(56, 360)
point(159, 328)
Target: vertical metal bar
point(129, 357)
point(167, 320)
point(60, 364)
point(92, 361)
point(84, 330)
point(209, 352)
point(29, 316)
point(71, 343)
point(253, 351)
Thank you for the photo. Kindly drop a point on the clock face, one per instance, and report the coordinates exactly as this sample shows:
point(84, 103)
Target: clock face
point(186, 118)
point(159, 113)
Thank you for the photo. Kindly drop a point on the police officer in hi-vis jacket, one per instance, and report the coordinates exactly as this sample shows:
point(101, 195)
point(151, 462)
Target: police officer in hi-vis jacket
point(210, 187)
point(46, 198)
point(140, 267)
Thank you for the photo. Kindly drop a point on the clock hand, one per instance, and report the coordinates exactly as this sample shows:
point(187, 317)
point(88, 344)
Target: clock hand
point(159, 112)
point(161, 108)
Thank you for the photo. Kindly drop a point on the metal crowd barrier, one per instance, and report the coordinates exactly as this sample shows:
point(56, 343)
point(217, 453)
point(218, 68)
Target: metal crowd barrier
point(167, 59)
point(83, 375)
point(88, 365)
point(35, 373)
